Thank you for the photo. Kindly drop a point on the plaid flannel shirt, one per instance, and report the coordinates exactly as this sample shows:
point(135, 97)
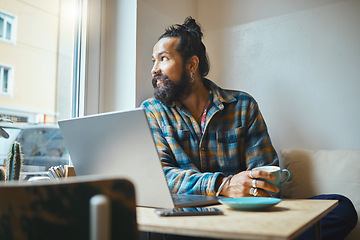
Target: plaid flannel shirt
point(235, 139)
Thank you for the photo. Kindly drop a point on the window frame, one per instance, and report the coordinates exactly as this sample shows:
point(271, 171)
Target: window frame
point(12, 19)
point(88, 70)
point(10, 80)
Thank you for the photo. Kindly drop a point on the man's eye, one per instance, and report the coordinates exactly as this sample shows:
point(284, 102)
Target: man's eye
point(164, 58)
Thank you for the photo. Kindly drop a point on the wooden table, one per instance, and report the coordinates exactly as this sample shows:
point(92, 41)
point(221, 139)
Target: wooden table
point(286, 220)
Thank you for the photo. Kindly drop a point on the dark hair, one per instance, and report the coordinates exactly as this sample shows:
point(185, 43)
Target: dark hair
point(190, 44)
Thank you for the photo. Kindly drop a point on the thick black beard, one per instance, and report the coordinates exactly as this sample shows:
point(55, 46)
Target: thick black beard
point(171, 91)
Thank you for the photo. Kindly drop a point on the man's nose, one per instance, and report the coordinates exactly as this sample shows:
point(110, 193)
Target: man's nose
point(155, 69)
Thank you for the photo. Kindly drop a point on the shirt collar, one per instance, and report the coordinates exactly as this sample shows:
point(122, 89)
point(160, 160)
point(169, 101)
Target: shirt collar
point(220, 95)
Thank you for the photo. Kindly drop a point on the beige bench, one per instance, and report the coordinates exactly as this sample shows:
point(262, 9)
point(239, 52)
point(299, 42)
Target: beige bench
point(315, 172)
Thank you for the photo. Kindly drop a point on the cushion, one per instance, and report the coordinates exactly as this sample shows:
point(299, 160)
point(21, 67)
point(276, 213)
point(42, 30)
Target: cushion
point(315, 172)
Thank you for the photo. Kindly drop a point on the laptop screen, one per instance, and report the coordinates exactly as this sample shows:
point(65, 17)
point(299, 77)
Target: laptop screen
point(119, 144)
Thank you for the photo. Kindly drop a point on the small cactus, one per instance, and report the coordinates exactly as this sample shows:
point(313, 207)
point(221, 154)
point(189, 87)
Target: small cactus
point(14, 162)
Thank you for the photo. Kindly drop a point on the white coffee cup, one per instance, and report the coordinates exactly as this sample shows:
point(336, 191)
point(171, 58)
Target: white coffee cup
point(278, 172)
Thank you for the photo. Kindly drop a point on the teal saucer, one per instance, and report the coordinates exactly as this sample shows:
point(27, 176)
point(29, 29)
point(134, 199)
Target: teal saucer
point(250, 203)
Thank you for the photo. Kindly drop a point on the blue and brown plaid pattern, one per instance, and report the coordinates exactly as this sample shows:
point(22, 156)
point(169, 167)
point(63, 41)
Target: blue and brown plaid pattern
point(235, 139)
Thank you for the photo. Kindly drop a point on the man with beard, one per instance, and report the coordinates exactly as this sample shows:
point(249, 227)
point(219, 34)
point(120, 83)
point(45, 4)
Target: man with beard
point(192, 119)
point(208, 139)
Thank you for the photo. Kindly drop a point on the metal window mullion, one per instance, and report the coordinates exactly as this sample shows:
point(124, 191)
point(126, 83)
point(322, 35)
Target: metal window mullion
point(79, 61)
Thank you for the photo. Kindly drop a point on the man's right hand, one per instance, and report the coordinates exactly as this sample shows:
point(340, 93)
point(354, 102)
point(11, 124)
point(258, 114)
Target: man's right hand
point(240, 184)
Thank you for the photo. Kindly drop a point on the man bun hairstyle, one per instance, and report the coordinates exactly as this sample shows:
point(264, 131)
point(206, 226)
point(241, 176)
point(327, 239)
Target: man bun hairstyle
point(190, 43)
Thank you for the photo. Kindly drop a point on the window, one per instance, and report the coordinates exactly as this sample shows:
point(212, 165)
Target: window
point(36, 78)
point(7, 27)
point(5, 80)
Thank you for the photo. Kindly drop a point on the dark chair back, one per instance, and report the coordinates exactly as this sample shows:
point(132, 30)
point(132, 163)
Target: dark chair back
point(61, 210)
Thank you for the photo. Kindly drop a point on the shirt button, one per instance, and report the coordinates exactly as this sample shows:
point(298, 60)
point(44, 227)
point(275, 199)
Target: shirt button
point(203, 149)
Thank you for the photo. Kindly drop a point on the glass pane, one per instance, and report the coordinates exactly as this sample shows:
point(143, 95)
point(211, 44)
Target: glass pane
point(5, 81)
point(1, 27)
point(8, 31)
point(42, 148)
point(40, 67)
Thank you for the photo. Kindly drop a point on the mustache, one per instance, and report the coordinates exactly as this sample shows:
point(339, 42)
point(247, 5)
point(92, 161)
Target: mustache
point(157, 77)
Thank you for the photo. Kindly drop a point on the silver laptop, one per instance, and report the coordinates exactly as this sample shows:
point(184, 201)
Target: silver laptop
point(121, 144)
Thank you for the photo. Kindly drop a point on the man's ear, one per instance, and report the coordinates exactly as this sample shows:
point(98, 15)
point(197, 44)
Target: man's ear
point(193, 64)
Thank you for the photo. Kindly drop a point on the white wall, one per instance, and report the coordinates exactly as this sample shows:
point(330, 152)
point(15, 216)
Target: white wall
point(119, 49)
point(153, 16)
point(131, 30)
point(299, 59)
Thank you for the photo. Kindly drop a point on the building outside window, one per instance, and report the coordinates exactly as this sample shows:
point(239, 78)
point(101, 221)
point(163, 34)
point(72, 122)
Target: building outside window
point(37, 46)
